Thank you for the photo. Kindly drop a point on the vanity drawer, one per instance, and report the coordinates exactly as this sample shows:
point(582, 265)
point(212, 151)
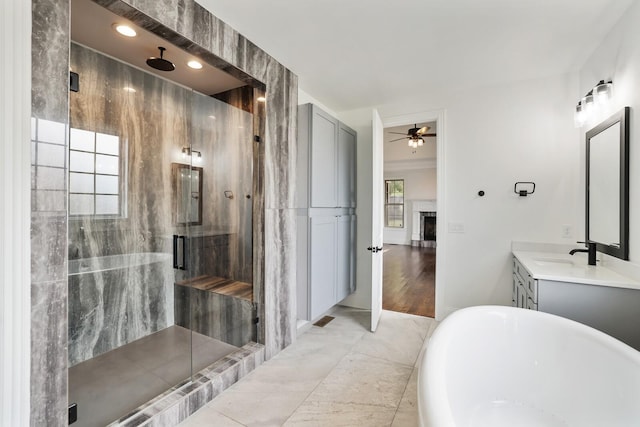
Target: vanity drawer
point(532, 288)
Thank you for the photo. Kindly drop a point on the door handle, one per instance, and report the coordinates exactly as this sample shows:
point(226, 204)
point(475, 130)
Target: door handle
point(184, 253)
point(175, 251)
point(183, 265)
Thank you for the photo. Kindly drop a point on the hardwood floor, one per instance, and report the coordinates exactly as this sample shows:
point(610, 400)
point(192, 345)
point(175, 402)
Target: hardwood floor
point(409, 280)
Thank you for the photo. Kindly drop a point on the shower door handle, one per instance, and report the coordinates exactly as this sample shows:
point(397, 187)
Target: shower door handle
point(179, 247)
point(175, 251)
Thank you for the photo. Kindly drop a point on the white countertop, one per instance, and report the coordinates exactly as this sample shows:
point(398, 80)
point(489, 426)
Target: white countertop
point(562, 267)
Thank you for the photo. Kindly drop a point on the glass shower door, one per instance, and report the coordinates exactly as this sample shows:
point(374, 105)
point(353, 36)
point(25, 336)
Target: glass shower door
point(219, 246)
point(124, 345)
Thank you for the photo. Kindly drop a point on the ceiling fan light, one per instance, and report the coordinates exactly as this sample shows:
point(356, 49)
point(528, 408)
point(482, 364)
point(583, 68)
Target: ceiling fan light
point(410, 143)
point(420, 142)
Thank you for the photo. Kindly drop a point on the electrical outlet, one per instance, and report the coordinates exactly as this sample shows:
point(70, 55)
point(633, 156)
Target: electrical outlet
point(567, 232)
point(456, 227)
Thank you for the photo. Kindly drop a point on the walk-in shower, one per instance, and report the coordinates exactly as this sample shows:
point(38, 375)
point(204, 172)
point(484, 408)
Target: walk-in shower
point(163, 196)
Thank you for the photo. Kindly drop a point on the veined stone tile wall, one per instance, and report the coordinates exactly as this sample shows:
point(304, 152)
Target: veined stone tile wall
point(190, 26)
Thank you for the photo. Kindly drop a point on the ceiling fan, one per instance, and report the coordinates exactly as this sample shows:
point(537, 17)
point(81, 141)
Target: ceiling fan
point(414, 135)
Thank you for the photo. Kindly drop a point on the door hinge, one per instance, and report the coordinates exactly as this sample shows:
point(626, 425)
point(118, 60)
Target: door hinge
point(73, 413)
point(74, 81)
point(256, 320)
point(257, 138)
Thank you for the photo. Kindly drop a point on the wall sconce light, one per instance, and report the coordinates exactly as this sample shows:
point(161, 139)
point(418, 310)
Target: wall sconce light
point(602, 91)
point(580, 116)
point(196, 156)
point(596, 98)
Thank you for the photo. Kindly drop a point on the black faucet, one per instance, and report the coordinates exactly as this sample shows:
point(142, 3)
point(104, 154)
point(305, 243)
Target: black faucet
point(591, 250)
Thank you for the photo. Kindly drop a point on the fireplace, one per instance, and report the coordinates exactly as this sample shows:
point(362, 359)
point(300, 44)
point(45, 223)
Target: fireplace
point(423, 223)
point(428, 226)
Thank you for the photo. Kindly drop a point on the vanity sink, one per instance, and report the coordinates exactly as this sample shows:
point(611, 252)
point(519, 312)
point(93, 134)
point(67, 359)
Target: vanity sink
point(552, 261)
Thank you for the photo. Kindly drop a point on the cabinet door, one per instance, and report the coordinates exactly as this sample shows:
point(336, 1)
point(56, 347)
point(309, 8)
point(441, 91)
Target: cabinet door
point(346, 167)
point(324, 141)
point(345, 252)
point(322, 258)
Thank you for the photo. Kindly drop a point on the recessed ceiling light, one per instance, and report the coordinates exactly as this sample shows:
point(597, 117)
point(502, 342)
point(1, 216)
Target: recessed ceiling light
point(194, 64)
point(125, 30)
point(212, 117)
point(262, 99)
point(129, 89)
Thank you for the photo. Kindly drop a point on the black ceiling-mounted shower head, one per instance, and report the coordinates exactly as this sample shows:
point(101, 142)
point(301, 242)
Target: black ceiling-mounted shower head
point(160, 63)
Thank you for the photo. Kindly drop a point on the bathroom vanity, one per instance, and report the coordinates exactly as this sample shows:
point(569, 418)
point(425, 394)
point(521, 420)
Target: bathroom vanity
point(567, 286)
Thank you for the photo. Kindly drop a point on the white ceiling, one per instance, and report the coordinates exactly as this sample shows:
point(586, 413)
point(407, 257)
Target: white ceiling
point(361, 53)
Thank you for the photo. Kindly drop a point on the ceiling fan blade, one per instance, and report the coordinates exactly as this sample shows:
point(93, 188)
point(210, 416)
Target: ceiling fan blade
point(399, 139)
point(429, 134)
point(397, 133)
point(423, 130)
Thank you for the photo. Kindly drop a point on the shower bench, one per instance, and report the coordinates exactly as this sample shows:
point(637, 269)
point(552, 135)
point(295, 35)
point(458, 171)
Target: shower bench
point(217, 307)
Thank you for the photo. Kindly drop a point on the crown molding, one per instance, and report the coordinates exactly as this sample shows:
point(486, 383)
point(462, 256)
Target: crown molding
point(410, 164)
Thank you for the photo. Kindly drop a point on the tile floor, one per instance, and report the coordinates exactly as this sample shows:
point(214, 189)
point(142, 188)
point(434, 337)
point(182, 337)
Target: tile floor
point(113, 384)
point(339, 375)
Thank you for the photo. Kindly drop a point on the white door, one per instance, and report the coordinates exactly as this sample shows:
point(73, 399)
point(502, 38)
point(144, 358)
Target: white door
point(377, 181)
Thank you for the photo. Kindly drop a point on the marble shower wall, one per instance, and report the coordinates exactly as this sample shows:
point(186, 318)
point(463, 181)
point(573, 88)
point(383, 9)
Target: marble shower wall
point(154, 123)
point(49, 106)
point(197, 30)
point(223, 135)
point(118, 305)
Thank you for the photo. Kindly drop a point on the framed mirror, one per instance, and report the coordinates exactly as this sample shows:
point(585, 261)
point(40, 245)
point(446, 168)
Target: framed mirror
point(187, 194)
point(607, 185)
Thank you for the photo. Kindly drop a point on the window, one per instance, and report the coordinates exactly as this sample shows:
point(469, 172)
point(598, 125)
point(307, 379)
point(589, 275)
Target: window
point(394, 203)
point(94, 174)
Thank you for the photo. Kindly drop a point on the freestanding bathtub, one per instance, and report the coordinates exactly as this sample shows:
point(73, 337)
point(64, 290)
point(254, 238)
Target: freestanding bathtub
point(504, 366)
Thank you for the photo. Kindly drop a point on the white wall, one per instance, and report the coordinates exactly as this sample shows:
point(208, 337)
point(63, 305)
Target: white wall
point(618, 58)
point(419, 184)
point(495, 136)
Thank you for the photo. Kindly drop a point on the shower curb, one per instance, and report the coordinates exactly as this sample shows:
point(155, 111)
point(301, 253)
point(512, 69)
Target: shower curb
point(178, 403)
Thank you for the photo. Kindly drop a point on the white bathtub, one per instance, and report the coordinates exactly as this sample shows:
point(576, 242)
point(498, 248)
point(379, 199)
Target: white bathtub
point(505, 366)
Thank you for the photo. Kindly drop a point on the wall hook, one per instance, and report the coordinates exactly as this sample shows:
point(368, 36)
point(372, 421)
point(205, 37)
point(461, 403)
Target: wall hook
point(523, 189)
point(228, 194)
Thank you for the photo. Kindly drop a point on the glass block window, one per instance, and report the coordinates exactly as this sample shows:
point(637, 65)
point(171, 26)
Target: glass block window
point(95, 170)
point(394, 203)
point(48, 164)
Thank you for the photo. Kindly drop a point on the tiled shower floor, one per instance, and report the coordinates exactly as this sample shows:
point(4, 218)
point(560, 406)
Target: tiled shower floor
point(115, 383)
